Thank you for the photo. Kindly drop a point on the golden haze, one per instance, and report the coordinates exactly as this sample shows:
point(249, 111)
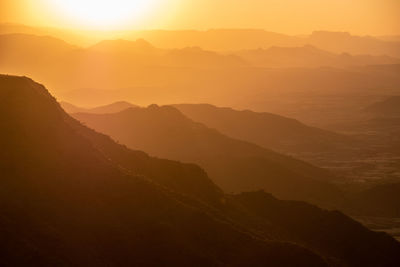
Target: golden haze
point(377, 17)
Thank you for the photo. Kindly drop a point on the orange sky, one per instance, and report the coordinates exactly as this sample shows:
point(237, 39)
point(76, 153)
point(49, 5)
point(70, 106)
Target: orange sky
point(376, 17)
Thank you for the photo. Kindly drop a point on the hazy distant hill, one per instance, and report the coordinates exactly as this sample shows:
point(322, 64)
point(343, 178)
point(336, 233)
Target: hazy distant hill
point(389, 70)
point(10, 28)
point(111, 108)
point(120, 46)
point(137, 52)
point(234, 165)
point(344, 42)
point(389, 107)
point(172, 76)
point(390, 38)
point(216, 39)
point(71, 196)
point(70, 35)
point(231, 39)
point(266, 129)
point(23, 51)
point(309, 56)
point(142, 52)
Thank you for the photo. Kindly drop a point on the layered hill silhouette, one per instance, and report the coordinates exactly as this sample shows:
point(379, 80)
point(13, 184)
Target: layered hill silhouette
point(341, 42)
point(111, 108)
point(65, 202)
point(305, 222)
point(389, 107)
point(44, 49)
point(235, 39)
point(234, 165)
point(309, 56)
point(267, 129)
point(142, 52)
point(72, 196)
point(139, 72)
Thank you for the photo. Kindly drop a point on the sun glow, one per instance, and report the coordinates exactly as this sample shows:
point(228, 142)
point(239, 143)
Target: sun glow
point(104, 13)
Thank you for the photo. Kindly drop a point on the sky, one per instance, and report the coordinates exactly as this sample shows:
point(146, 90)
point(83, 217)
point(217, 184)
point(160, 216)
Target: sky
point(363, 17)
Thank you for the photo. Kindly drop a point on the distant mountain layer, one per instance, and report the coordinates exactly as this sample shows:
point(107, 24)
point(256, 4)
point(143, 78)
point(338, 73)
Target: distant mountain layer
point(234, 39)
point(389, 107)
point(309, 56)
point(66, 200)
point(71, 196)
point(343, 42)
point(266, 129)
point(138, 72)
point(139, 52)
point(111, 108)
point(234, 165)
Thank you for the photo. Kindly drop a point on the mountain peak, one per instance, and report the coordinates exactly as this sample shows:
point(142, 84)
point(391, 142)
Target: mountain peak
point(143, 43)
point(20, 87)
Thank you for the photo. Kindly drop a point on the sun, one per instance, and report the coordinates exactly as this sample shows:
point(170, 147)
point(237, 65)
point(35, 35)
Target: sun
point(103, 13)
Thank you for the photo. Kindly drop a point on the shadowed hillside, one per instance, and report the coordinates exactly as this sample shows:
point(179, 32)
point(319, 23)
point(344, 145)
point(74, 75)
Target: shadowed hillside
point(266, 129)
point(306, 222)
point(233, 164)
point(65, 202)
point(380, 201)
point(71, 196)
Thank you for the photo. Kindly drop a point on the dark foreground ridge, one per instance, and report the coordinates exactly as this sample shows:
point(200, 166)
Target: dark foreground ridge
point(71, 196)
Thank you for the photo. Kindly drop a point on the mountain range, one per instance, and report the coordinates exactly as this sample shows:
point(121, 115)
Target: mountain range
point(309, 56)
point(147, 74)
point(230, 39)
point(266, 129)
point(165, 132)
point(150, 129)
point(72, 196)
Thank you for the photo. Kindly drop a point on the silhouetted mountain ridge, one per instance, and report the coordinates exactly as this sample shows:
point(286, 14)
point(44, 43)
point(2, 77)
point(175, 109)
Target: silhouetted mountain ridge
point(164, 75)
point(307, 222)
point(166, 132)
point(382, 200)
point(71, 196)
point(345, 42)
point(266, 129)
point(309, 56)
point(110, 108)
point(232, 39)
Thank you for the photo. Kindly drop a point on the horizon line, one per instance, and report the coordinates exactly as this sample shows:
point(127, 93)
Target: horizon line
point(71, 29)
